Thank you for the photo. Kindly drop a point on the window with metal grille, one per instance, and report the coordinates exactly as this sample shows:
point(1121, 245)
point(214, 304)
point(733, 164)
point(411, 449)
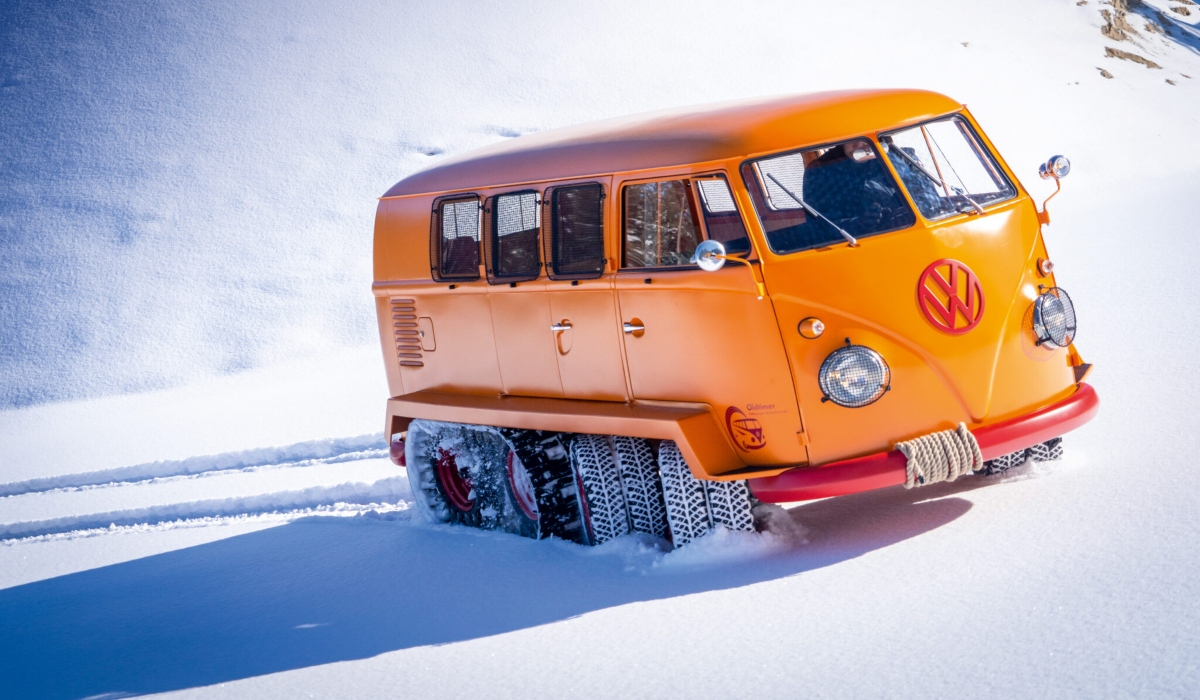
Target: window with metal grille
point(660, 227)
point(456, 240)
point(577, 232)
point(513, 254)
point(721, 216)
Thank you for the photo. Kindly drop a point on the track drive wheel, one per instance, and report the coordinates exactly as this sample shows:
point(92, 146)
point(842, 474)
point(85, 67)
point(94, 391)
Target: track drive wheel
point(469, 476)
point(548, 470)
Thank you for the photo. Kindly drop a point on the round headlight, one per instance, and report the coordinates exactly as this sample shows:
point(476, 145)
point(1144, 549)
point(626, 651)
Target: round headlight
point(1054, 318)
point(854, 376)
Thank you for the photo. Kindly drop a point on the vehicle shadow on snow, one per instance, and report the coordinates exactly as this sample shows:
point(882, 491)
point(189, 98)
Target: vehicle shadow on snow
point(323, 590)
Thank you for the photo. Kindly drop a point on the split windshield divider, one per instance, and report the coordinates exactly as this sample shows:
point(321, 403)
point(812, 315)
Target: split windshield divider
point(891, 147)
point(960, 191)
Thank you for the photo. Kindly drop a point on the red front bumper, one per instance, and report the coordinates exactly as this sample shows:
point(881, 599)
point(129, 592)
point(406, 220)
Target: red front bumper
point(889, 468)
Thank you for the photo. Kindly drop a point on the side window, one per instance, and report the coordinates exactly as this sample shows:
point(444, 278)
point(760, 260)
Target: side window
point(660, 228)
point(513, 246)
point(721, 216)
point(455, 249)
point(577, 232)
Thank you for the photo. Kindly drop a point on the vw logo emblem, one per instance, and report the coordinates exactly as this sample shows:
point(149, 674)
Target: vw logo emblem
point(951, 296)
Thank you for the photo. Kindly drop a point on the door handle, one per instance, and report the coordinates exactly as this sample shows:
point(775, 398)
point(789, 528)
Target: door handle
point(634, 327)
point(564, 326)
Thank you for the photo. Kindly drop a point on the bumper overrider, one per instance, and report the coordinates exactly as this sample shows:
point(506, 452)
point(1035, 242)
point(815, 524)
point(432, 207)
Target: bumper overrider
point(890, 468)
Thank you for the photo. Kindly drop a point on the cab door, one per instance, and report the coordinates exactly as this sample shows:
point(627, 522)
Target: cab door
point(695, 336)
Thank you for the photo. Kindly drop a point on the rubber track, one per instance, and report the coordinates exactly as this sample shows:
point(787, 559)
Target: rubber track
point(643, 489)
point(729, 504)
point(545, 457)
point(1003, 463)
point(1047, 451)
point(593, 459)
point(687, 505)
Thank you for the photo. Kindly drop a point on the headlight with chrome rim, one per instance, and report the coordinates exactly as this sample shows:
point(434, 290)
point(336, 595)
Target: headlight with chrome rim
point(1054, 318)
point(854, 376)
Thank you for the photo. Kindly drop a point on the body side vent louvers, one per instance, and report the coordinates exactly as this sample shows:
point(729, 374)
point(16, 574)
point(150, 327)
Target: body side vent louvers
point(408, 336)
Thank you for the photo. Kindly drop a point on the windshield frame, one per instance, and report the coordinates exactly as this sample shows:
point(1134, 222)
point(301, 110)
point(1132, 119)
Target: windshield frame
point(978, 203)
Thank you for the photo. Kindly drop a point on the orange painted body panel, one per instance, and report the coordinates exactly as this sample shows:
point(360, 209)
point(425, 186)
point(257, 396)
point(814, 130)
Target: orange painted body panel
point(524, 344)
point(869, 295)
point(709, 338)
point(709, 346)
point(465, 356)
point(590, 361)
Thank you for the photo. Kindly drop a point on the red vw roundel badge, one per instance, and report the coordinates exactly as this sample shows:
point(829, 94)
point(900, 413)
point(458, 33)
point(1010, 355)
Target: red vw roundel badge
point(951, 296)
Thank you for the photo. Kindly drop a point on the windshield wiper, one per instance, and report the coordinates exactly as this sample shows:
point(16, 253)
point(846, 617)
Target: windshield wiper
point(893, 148)
point(808, 208)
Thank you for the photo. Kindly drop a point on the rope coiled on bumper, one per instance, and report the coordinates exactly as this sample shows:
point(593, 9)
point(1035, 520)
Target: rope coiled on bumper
point(941, 456)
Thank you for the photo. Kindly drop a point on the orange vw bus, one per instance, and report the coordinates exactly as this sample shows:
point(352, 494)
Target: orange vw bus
point(657, 322)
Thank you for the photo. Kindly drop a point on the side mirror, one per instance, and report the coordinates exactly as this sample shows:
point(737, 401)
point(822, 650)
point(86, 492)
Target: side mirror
point(709, 255)
point(1057, 167)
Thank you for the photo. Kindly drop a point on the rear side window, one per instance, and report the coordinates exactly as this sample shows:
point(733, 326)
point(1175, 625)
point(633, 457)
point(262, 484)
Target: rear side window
point(577, 232)
point(455, 249)
point(513, 245)
point(721, 216)
point(660, 224)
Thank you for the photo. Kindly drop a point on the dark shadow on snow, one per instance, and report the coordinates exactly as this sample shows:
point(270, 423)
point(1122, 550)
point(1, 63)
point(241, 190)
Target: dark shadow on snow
point(1181, 30)
point(331, 589)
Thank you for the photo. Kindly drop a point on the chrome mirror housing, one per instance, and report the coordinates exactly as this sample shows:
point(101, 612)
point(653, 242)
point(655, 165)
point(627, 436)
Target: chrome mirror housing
point(709, 255)
point(1057, 167)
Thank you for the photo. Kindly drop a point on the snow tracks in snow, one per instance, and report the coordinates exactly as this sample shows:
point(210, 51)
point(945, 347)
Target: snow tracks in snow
point(346, 476)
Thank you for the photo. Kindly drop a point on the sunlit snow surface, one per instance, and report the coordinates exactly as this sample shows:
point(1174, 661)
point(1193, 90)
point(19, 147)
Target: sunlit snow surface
point(187, 190)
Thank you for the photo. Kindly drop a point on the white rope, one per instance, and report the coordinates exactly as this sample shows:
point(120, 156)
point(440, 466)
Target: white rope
point(942, 456)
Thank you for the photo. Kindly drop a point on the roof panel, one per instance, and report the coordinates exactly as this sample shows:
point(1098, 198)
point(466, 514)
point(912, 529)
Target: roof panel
point(679, 136)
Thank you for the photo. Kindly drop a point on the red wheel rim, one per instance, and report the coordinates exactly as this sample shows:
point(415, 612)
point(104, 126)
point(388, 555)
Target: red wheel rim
point(457, 487)
point(522, 487)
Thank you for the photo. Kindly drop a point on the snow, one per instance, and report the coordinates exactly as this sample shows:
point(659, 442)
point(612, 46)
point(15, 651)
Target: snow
point(194, 494)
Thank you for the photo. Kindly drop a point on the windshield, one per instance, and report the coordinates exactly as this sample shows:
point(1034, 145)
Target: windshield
point(946, 169)
point(819, 197)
